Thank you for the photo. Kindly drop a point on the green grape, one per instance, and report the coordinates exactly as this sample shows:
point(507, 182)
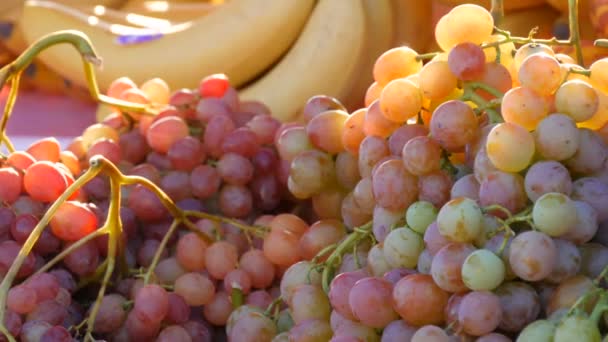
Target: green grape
point(538, 331)
point(402, 247)
point(483, 270)
point(577, 328)
point(460, 220)
point(420, 215)
point(554, 214)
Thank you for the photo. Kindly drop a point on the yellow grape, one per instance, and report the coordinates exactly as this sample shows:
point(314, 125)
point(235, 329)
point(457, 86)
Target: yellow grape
point(157, 90)
point(119, 85)
point(396, 63)
point(541, 73)
point(442, 56)
point(415, 78)
point(464, 23)
point(524, 107)
point(510, 147)
point(528, 50)
point(577, 99)
point(325, 130)
point(372, 93)
point(436, 80)
point(507, 50)
point(564, 59)
point(600, 118)
point(400, 100)
point(599, 74)
point(99, 131)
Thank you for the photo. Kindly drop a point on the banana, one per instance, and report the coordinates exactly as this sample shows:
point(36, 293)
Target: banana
point(413, 23)
point(509, 5)
point(240, 39)
point(599, 17)
point(321, 61)
point(171, 11)
point(379, 22)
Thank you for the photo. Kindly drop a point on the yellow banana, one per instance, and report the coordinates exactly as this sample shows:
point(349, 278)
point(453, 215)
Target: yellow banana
point(169, 11)
point(240, 39)
point(379, 22)
point(413, 23)
point(322, 60)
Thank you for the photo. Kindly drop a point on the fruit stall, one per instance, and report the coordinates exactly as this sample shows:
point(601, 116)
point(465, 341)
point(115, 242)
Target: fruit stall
point(304, 171)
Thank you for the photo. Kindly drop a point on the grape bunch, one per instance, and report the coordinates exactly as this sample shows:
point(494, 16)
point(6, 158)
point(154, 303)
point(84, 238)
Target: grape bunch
point(467, 201)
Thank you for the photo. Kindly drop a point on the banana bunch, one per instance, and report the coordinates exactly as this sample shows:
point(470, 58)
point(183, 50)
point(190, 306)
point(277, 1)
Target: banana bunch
point(279, 52)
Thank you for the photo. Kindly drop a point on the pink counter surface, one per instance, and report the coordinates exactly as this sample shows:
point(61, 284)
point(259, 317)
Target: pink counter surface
point(38, 115)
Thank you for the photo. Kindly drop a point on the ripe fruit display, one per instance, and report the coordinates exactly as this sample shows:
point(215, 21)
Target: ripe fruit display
point(466, 200)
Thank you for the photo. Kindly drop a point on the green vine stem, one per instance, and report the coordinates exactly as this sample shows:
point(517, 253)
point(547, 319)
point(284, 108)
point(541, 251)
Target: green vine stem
point(575, 36)
point(498, 11)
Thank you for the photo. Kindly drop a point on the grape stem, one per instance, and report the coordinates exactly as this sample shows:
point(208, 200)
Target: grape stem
point(498, 11)
point(425, 56)
point(358, 234)
point(470, 95)
point(600, 307)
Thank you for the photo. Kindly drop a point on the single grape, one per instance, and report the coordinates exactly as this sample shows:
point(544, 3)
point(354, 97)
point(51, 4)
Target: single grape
point(400, 100)
point(510, 147)
point(467, 61)
point(446, 267)
point(532, 255)
point(577, 99)
point(402, 248)
point(464, 23)
point(479, 313)
point(520, 305)
point(547, 176)
point(420, 215)
point(453, 125)
point(524, 106)
point(325, 130)
point(421, 155)
point(395, 63)
point(554, 214)
point(309, 302)
point(577, 327)
point(483, 270)
point(503, 189)
point(437, 80)
point(419, 310)
point(557, 137)
point(393, 186)
point(460, 220)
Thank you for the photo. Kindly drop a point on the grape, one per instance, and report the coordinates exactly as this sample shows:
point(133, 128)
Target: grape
point(599, 119)
point(32, 331)
point(493, 337)
point(217, 128)
point(397, 331)
point(187, 153)
point(339, 292)
point(21, 160)
point(590, 155)
point(496, 75)
point(165, 132)
point(532, 255)
point(437, 80)
point(106, 148)
point(547, 176)
point(430, 333)
point(312, 169)
point(557, 137)
point(370, 302)
point(451, 309)
point(259, 269)
point(435, 187)
point(479, 313)
point(352, 132)
point(594, 259)
point(384, 221)
point(554, 214)
point(195, 288)
point(568, 261)
point(376, 123)
point(530, 49)
point(577, 327)
point(325, 130)
point(347, 170)
point(252, 324)
point(568, 292)
point(466, 186)
point(168, 270)
point(371, 151)
point(524, 106)
point(541, 330)
point(235, 201)
point(403, 135)
point(179, 311)
point(400, 100)
point(520, 305)
point(415, 309)
point(198, 331)
point(594, 192)
point(421, 155)
point(577, 99)
point(8, 252)
point(21, 299)
point(292, 141)
point(586, 225)
point(433, 239)
point(46, 149)
point(309, 302)
point(394, 188)
point(111, 314)
point(420, 215)
point(464, 23)
point(139, 329)
point(44, 182)
point(482, 166)
point(320, 235)
point(425, 261)
point(466, 61)
point(372, 93)
point(151, 304)
point(237, 279)
point(49, 311)
point(541, 73)
point(298, 273)
point(218, 309)
point(242, 141)
point(446, 267)
point(501, 149)
point(453, 125)
point(460, 220)
point(483, 270)
point(204, 181)
point(395, 63)
point(173, 333)
point(310, 331)
point(402, 247)
point(11, 182)
point(376, 262)
point(363, 195)
point(318, 104)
